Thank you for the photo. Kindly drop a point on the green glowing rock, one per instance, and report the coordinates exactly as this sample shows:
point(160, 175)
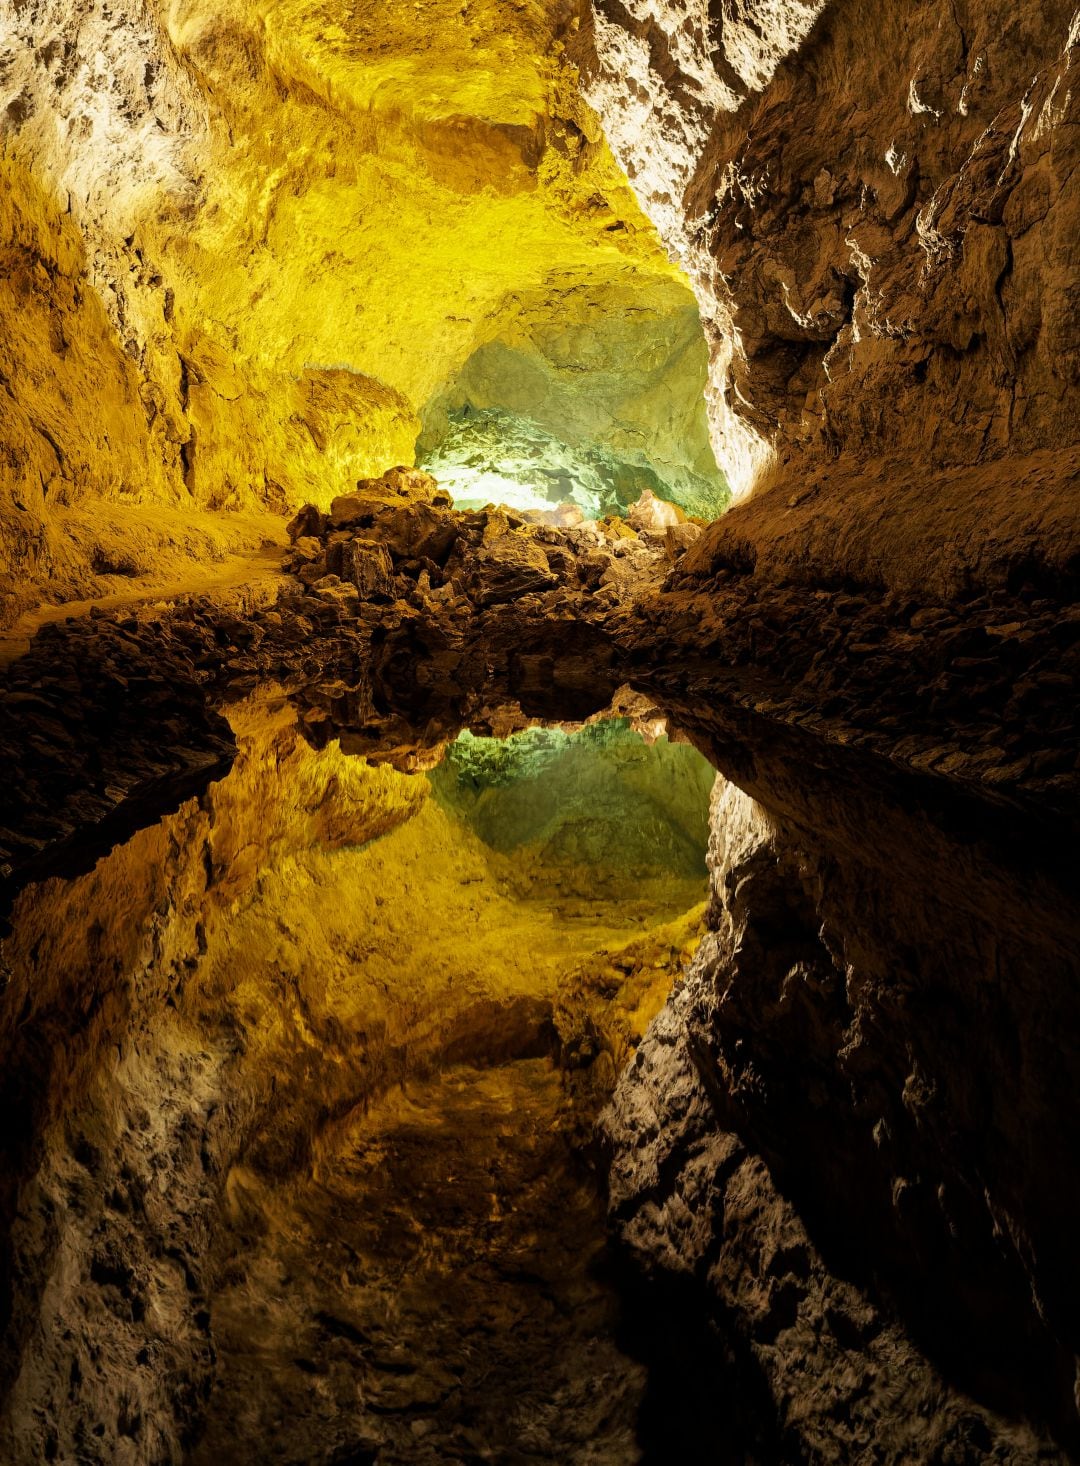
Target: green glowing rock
point(492, 457)
point(590, 400)
point(601, 798)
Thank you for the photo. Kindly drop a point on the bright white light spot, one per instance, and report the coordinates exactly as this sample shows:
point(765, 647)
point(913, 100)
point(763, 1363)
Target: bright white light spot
point(472, 489)
point(916, 106)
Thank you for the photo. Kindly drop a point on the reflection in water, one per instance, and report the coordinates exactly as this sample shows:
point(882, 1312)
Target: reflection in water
point(306, 1070)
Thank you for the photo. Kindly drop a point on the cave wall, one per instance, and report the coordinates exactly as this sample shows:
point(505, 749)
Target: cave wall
point(855, 1122)
point(270, 237)
point(878, 215)
point(855, 1126)
point(74, 423)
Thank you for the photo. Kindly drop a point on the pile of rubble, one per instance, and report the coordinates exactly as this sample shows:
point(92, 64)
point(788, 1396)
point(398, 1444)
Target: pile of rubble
point(399, 538)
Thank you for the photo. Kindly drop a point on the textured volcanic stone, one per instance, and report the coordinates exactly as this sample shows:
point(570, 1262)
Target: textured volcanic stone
point(149, 339)
point(979, 692)
point(882, 1022)
point(367, 564)
point(505, 567)
point(836, 1121)
point(881, 230)
point(402, 510)
point(883, 255)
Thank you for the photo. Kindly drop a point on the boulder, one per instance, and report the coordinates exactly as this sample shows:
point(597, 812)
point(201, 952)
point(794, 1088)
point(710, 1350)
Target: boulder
point(309, 521)
point(651, 513)
point(505, 567)
point(679, 537)
point(560, 516)
point(408, 487)
point(367, 565)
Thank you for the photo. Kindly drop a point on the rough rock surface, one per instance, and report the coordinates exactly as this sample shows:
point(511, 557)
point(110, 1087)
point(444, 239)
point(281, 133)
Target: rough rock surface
point(485, 611)
point(825, 1115)
point(853, 1131)
point(878, 214)
point(242, 250)
point(884, 1023)
point(878, 218)
point(979, 691)
point(590, 385)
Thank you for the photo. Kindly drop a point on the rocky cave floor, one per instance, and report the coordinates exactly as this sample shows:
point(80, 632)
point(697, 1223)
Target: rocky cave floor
point(303, 1075)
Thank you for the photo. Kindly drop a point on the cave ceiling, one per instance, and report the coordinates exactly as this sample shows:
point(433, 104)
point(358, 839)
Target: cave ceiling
point(275, 241)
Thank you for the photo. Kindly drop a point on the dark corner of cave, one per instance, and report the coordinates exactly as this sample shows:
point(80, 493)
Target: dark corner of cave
point(539, 669)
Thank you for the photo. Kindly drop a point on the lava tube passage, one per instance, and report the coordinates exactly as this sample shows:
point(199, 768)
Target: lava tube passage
point(540, 718)
point(322, 1160)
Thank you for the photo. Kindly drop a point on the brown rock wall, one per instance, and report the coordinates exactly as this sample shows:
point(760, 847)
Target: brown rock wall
point(840, 1125)
point(878, 217)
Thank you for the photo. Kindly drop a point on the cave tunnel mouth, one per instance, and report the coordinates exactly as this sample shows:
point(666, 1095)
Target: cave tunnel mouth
point(491, 456)
point(584, 398)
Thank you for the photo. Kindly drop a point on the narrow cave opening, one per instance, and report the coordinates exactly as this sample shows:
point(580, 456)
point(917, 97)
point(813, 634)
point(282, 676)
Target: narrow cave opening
point(586, 394)
point(578, 423)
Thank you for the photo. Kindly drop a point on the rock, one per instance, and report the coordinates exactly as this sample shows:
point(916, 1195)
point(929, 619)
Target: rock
point(614, 529)
point(710, 1115)
point(349, 510)
point(309, 522)
point(418, 532)
point(412, 484)
point(651, 513)
point(867, 356)
point(563, 516)
point(679, 537)
point(397, 487)
point(306, 551)
point(365, 563)
point(506, 566)
point(404, 510)
point(592, 568)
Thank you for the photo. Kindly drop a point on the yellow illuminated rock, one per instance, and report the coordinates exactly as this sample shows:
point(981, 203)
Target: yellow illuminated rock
point(251, 241)
point(256, 992)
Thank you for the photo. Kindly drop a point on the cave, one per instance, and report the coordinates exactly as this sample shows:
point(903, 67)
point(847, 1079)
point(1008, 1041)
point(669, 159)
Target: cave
point(540, 642)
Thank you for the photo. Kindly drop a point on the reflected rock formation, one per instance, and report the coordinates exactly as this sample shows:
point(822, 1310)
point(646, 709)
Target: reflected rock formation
point(540, 625)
